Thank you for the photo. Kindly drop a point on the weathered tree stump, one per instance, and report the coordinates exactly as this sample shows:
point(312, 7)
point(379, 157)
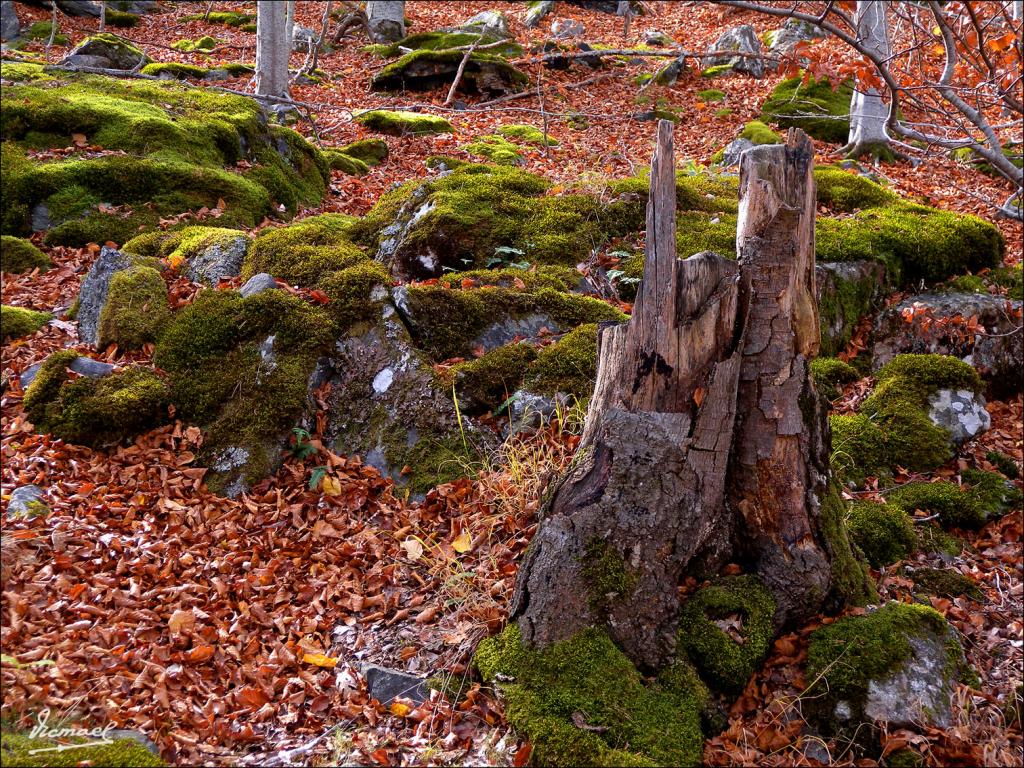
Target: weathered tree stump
point(705, 440)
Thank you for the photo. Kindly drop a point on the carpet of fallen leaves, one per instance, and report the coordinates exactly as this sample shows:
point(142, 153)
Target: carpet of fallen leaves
point(231, 632)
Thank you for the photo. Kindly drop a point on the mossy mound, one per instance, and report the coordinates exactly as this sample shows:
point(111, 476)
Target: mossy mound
point(1003, 463)
point(632, 722)
point(18, 255)
point(426, 69)
point(121, 19)
point(443, 40)
point(95, 412)
point(16, 322)
point(475, 215)
point(41, 30)
point(844, 657)
point(858, 447)
point(136, 309)
point(758, 133)
point(956, 507)
point(240, 367)
point(843, 191)
point(899, 407)
point(180, 246)
point(726, 630)
point(369, 151)
point(495, 149)
point(17, 750)
point(945, 583)
point(485, 383)
point(304, 252)
point(339, 161)
point(402, 123)
point(527, 134)
point(711, 95)
point(554, 277)
point(884, 532)
point(823, 113)
point(179, 151)
point(830, 373)
point(203, 44)
point(223, 18)
point(449, 323)
point(568, 366)
point(175, 69)
point(996, 495)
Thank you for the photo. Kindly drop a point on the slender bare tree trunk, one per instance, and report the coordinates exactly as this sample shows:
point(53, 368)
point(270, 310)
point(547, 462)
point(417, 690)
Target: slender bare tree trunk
point(103, 16)
point(290, 21)
point(705, 439)
point(1017, 10)
point(868, 113)
point(386, 19)
point(273, 47)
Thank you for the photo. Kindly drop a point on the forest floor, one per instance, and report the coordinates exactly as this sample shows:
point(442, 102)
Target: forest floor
point(329, 581)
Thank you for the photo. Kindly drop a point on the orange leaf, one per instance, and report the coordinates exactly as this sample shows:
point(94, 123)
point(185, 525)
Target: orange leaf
point(200, 654)
point(253, 696)
point(399, 709)
point(320, 659)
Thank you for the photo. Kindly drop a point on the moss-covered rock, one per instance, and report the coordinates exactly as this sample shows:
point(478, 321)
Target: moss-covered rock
point(487, 382)
point(528, 134)
point(758, 133)
point(847, 292)
point(339, 161)
point(18, 255)
point(495, 149)
point(996, 495)
point(22, 751)
point(402, 123)
point(831, 373)
point(204, 254)
point(16, 322)
point(632, 722)
point(136, 309)
point(943, 582)
point(861, 668)
point(304, 252)
point(175, 70)
point(843, 191)
point(204, 44)
point(41, 30)
point(426, 69)
point(95, 412)
point(899, 407)
point(370, 151)
point(858, 447)
point(223, 18)
point(955, 506)
point(821, 111)
point(884, 532)
point(444, 40)
point(179, 151)
point(568, 366)
point(726, 630)
point(711, 95)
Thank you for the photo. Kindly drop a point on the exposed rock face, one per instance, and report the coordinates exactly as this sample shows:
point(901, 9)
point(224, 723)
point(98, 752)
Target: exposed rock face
point(93, 294)
point(388, 684)
point(567, 29)
point(996, 350)
point(488, 24)
point(302, 38)
point(9, 25)
point(742, 40)
point(537, 10)
point(84, 366)
point(847, 291)
point(386, 20)
point(734, 151)
point(25, 500)
point(257, 284)
point(218, 260)
point(783, 40)
point(113, 53)
point(960, 411)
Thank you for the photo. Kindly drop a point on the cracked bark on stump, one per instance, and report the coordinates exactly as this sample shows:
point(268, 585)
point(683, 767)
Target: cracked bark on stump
point(705, 439)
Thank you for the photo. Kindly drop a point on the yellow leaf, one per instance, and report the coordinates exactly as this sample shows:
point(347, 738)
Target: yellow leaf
point(175, 261)
point(463, 543)
point(399, 709)
point(330, 485)
point(320, 659)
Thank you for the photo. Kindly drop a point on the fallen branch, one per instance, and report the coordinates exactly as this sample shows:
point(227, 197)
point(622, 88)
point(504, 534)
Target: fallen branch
point(459, 72)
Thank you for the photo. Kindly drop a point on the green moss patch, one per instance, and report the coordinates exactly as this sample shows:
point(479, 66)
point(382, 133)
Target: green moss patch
point(136, 309)
point(726, 630)
point(757, 132)
point(18, 255)
point(173, 149)
point(633, 722)
point(339, 161)
point(17, 752)
point(41, 31)
point(17, 322)
point(955, 506)
point(527, 134)
point(996, 495)
point(843, 191)
point(370, 151)
point(403, 123)
point(711, 95)
point(884, 532)
point(1003, 463)
point(858, 447)
point(304, 252)
point(495, 149)
point(943, 582)
point(95, 412)
point(223, 18)
point(204, 44)
point(823, 113)
point(830, 374)
point(175, 69)
point(178, 246)
point(485, 383)
point(569, 365)
point(443, 40)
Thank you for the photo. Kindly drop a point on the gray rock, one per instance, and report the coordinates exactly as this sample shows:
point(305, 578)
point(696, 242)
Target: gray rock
point(918, 691)
point(216, 75)
point(120, 55)
point(734, 151)
point(742, 39)
point(782, 41)
point(657, 37)
point(670, 73)
point(79, 7)
point(528, 411)
point(961, 412)
point(490, 23)
point(996, 351)
point(9, 24)
point(84, 366)
point(388, 684)
point(139, 736)
point(25, 501)
point(218, 260)
point(567, 29)
point(258, 284)
point(847, 291)
point(41, 220)
point(93, 294)
point(536, 11)
point(504, 330)
point(83, 61)
point(302, 38)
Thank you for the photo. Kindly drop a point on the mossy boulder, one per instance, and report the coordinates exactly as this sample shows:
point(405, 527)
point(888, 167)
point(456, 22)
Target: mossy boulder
point(527, 134)
point(18, 255)
point(106, 51)
point(204, 254)
point(726, 630)
point(223, 18)
point(819, 108)
point(173, 149)
point(96, 412)
point(830, 374)
point(425, 70)
point(485, 383)
point(445, 40)
point(955, 506)
point(897, 665)
point(587, 680)
point(204, 44)
point(339, 161)
point(495, 149)
point(304, 252)
point(369, 151)
point(136, 309)
point(22, 751)
point(568, 366)
point(847, 292)
point(843, 191)
point(884, 532)
point(402, 123)
point(175, 70)
point(16, 322)
point(997, 495)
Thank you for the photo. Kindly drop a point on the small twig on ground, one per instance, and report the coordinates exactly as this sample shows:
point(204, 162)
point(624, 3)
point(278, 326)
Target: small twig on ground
point(458, 73)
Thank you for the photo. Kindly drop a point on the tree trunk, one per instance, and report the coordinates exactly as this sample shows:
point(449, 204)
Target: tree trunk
point(290, 23)
point(386, 19)
point(273, 47)
point(705, 439)
point(868, 113)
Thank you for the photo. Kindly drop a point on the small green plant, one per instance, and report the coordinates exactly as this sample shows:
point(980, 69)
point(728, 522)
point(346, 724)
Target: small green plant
point(302, 446)
point(12, 661)
point(316, 477)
